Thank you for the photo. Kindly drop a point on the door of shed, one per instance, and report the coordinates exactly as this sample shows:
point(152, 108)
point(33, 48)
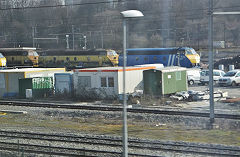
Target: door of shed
point(63, 83)
point(152, 82)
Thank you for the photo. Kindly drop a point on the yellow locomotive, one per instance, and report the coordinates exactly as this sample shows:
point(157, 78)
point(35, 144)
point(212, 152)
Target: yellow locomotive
point(3, 61)
point(20, 56)
point(59, 58)
point(78, 58)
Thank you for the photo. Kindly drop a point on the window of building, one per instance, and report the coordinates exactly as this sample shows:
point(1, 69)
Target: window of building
point(178, 75)
point(110, 82)
point(107, 82)
point(84, 81)
point(103, 82)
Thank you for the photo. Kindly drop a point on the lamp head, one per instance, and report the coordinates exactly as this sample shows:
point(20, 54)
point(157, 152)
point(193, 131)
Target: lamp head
point(131, 13)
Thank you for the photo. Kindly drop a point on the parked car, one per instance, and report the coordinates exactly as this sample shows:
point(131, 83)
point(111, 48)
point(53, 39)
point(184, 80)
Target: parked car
point(231, 78)
point(193, 76)
point(204, 76)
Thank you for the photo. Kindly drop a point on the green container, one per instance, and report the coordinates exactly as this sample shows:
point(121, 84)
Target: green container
point(41, 86)
point(165, 81)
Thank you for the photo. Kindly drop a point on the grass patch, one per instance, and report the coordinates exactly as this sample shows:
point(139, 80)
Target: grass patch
point(114, 127)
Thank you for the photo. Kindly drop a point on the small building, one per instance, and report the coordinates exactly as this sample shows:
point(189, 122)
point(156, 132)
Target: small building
point(63, 84)
point(165, 81)
point(107, 82)
point(9, 84)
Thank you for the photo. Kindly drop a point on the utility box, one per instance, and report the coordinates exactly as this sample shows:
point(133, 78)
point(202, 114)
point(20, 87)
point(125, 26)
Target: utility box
point(28, 93)
point(169, 80)
point(40, 86)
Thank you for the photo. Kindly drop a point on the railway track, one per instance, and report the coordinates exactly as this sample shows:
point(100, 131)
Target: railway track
point(108, 108)
point(113, 142)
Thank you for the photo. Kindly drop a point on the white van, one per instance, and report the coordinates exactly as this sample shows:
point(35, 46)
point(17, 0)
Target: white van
point(204, 76)
point(193, 75)
point(231, 78)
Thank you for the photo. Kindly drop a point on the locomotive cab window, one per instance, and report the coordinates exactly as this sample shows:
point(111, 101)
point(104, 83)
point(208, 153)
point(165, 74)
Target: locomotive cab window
point(190, 52)
point(35, 54)
point(111, 53)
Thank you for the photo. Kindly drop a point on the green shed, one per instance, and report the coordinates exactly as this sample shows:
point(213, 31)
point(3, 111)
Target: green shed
point(40, 86)
point(164, 81)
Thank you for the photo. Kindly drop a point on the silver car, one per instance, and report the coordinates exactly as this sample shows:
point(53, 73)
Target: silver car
point(204, 78)
point(231, 78)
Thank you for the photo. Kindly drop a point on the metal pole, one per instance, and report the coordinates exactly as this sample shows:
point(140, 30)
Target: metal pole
point(67, 36)
point(210, 61)
point(73, 37)
point(102, 38)
point(33, 36)
point(125, 133)
point(85, 42)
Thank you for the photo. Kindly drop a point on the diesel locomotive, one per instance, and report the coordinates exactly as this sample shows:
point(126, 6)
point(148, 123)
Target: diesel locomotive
point(78, 58)
point(20, 56)
point(183, 56)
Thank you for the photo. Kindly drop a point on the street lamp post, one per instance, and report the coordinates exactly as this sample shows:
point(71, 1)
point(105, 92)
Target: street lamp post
point(126, 15)
point(210, 60)
point(210, 55)
point(67, 40)
point(85, 42)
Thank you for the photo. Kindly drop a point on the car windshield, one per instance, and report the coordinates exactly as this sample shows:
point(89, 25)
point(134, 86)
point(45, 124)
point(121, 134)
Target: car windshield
point(1, 56)
point(204, 73)
point(230, 73)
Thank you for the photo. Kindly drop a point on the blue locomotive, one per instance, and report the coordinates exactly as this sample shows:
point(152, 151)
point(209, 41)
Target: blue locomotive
point(183, 56)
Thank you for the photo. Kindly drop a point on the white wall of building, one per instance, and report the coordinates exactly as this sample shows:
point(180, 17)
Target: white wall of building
point(93, 79)
point(134, 81)
point(95, 82)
